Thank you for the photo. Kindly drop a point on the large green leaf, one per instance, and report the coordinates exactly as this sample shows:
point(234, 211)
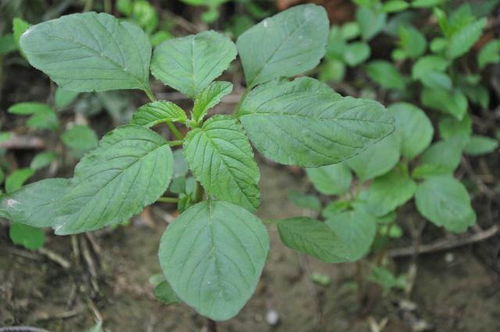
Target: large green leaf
point(221, 158)
point(378, 159)
point(210, 97)
point(445, 202)
point(189, 64)
point(413, 127)
point(90, 52)
point(304, 123)
point(35, 204)
point(331, 179)
point(213, 255)
point(345, 237)
point(284, 45)
point(390, 191)
point(130, 169)
point(157, 112)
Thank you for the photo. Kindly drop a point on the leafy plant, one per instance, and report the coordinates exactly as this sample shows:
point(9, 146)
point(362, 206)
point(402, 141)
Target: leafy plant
point(212, 255)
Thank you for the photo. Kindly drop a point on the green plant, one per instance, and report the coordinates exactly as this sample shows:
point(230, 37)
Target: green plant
point(371, 187)
point(212, 255)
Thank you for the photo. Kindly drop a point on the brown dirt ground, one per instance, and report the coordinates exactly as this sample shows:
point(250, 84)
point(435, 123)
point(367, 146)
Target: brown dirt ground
point(457, 295)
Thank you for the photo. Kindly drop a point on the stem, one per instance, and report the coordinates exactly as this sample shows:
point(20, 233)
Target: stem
point(168, 200)
point(175, 143)
point(149, 93)
point(174, 130)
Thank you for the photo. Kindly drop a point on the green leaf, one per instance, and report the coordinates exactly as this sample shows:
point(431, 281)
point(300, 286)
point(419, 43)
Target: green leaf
point(450, 127)
point(80, 138)
point(332, 70)
point(16, 180)
point(335, 207)
point(289, 44)
point(390, 191)
point(130, 169)
point(157, 112)
point(221, 158)
point(385, 74)
point(428, 64)
point(304, 123)
point(378, 159)
point(7, 44)
point(413, 127)
point(19, 26)
point(165, 293)
point(64, 97)
point(412, 41)
point(212, 255)
point(43, 117)
point(427, 3)
point(450, 102)
point(209, 97)
point(34, 204)
point(479, 145)
point(371, 21)
point(42, 160)
point(489, 53)
point(349, 30)
point(393, 6)
point(189, 64)
point(29, 237)
point(445, 202)
point(462, 40)
point(90, 52)
point(436, 80)
point(443, 155)
point(304, 201)
point(345, 237)
point(356, 53)
point(356, 231)
point(331, 179)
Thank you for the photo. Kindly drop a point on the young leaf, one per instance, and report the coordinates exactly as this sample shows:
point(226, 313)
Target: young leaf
point(428, 64)
point(479, 145)
point(462, 40)
point(19, 26)
point(413, 127)
point(80, 138)
point(212, 255)
point(43, 117)
point(42, 160)
point(378, 159)
point(165, 293)
point(445, 202)
point(189, 64)
point(331, 179)
point(356, 53)
point(289, 44)
point(450, 127)
point(90, 52)
point(412, 41)
point(157, 112)
point(210, 97)
point(304, 123)
point(16, 180)
point(489, 53)
point(385, 74)
point(29, 237)
point(221, 158)
point(450, 102)
point(7, 44)
point(392, 6)
point(34, 204)
point(371, 21)
point(130, 169)
point(390, 191)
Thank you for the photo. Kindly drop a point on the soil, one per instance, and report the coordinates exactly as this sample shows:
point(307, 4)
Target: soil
point(453, 291)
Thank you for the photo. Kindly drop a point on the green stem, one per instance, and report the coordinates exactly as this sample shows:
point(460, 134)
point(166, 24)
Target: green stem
point(174, 130)
point(175, 143)
point(149, 93)
point(168, 200)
